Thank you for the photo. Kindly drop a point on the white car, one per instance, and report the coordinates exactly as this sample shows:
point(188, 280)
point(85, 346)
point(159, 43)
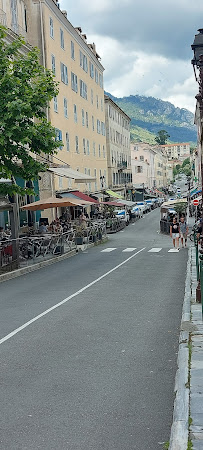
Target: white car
point(123, 215)
point(137, 211)
point(143, 206)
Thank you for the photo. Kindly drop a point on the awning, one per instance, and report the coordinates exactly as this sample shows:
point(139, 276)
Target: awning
point(113, 194)
point(53, 202)
point(77, 195)
point(127, 203)
point(67, 172)
point(173, 202)
point(112, 203)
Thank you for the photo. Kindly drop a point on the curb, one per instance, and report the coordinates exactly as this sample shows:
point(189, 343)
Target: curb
point(18, 272)
point(179, 429)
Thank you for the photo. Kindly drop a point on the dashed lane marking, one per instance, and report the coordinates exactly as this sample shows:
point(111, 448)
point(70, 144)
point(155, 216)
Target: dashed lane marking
point(108, 250)
point(154, 250)
point(173, 250)
point(129, 250)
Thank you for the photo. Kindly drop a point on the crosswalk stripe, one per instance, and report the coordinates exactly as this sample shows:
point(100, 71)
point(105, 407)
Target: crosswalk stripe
point(107, 250)
point(129, 249)
point(154, 250)
point(173, 250)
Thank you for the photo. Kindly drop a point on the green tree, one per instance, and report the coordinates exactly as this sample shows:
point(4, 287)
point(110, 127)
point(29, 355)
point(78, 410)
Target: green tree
point(26, 88)
point(162, 137)
point(186, 162)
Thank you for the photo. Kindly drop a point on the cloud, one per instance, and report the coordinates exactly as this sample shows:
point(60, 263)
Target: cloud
point(144, 45)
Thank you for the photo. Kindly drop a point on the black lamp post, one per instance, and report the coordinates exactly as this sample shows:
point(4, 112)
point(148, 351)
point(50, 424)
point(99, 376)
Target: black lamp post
point(197, 63)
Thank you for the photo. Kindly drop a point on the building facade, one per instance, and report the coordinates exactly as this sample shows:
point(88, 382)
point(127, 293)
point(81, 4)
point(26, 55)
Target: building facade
point(117, 145)
point(143, 165)
point(78, 112)
point(13, 15)
point(178, 151)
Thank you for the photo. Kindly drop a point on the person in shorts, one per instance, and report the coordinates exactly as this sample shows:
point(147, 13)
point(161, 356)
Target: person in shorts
point(175, 233)
point(183, 231)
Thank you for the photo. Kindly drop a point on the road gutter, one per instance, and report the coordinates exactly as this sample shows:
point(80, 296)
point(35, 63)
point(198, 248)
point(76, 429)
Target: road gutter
point(179, 429)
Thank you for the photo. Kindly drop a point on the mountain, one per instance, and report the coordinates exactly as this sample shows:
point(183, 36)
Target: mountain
point(150, 115)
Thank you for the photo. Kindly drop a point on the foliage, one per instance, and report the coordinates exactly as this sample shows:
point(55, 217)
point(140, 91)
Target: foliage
point(149, 115)
point(180, 208)
point(162, 137)
point(186, 162)
point(25, 135)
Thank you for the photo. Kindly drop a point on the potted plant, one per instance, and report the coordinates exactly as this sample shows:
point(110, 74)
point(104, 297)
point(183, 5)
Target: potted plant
point(79, 234)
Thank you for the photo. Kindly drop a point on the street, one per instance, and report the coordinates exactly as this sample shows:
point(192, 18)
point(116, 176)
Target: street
point(95, 369)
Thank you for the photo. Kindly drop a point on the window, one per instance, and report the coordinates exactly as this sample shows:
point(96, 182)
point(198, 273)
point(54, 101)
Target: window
point(83, 117)
point(76, 144)
point(75, 114)
point(53, 64)
point(58, 137)
point(141, 158)
point(87, 121)
point(100, 81)
point(96, 76)
point(102, 107)
point(97, 102)
point(139, 169)
point(51, 27)
point(88, 147)
point(83, 62)
point(92, 70)
point(99, 151)
point(72, 50)
point(62, 38)
point(55, 104)
point(67, 142)
point(60, 182)
point(92, 97)
point(103, 131)
point(95, 176)
point(65, 106)
point(83, 89)
point(64, 73)
point(92, 123)
point(94, 149)
point(98, 126)
point(74, 82)
point(84, 146)
point(104, 153)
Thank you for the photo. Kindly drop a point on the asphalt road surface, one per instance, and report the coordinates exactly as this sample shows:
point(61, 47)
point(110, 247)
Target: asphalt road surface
point(88, 346)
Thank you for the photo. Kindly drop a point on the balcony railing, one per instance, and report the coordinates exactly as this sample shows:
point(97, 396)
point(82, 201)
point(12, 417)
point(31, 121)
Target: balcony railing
point(122, 165)
point(18, 29)
point(2, 18)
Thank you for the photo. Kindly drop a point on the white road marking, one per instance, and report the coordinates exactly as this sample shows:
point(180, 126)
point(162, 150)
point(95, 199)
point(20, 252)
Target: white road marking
point(107, 250)
point(129, 250)
point(155, 250)
point(17, 330)
point(173, 250)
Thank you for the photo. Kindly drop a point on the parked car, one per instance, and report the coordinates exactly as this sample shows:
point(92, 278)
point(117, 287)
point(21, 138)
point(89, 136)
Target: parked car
point(136, 211)
point(143, 206)
point(122, 214)
point(150, 204)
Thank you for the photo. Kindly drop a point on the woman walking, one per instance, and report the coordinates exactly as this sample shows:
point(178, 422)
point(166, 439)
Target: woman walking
point(175, 233)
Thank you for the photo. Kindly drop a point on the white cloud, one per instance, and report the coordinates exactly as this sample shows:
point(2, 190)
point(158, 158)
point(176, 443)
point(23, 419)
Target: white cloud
point(144, 46)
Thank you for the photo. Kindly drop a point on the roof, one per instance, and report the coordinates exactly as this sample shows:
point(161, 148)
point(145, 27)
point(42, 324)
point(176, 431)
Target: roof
point(175, 143)
point(107, 98)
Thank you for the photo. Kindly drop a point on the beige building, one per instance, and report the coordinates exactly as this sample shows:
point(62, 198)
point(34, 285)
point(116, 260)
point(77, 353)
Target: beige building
point(118, 146)
point(178, 151)
point(160, 168)
point(143, 165)
point(77, 112)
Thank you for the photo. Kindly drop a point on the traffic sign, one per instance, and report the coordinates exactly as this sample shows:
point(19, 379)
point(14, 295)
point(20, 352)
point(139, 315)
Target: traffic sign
point(196, 202)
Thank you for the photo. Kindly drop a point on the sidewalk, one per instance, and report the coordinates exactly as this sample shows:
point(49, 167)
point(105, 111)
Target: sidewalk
point(187, 427)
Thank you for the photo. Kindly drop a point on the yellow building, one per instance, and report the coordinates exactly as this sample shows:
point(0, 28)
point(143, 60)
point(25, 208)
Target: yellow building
point(160, 162)
point(77, 112)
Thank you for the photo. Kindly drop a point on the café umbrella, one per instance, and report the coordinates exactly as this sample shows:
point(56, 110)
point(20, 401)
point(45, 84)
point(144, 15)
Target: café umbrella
point(54, 202)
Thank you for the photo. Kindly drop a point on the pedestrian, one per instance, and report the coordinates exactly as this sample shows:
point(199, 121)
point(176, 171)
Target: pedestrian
point(175, 233)
point(183, 231)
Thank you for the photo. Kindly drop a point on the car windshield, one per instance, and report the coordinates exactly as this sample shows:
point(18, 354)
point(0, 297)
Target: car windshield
point(140, 203)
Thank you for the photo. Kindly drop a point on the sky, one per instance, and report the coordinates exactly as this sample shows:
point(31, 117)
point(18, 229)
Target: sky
point(145, 45)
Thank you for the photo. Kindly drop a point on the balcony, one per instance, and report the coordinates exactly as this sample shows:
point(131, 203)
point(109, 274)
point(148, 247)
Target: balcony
point(17, 29)
point(2, 18)
point(122, 165)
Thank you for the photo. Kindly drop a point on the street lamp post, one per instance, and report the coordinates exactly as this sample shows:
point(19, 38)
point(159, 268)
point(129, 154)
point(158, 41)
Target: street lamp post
point(197, 63)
